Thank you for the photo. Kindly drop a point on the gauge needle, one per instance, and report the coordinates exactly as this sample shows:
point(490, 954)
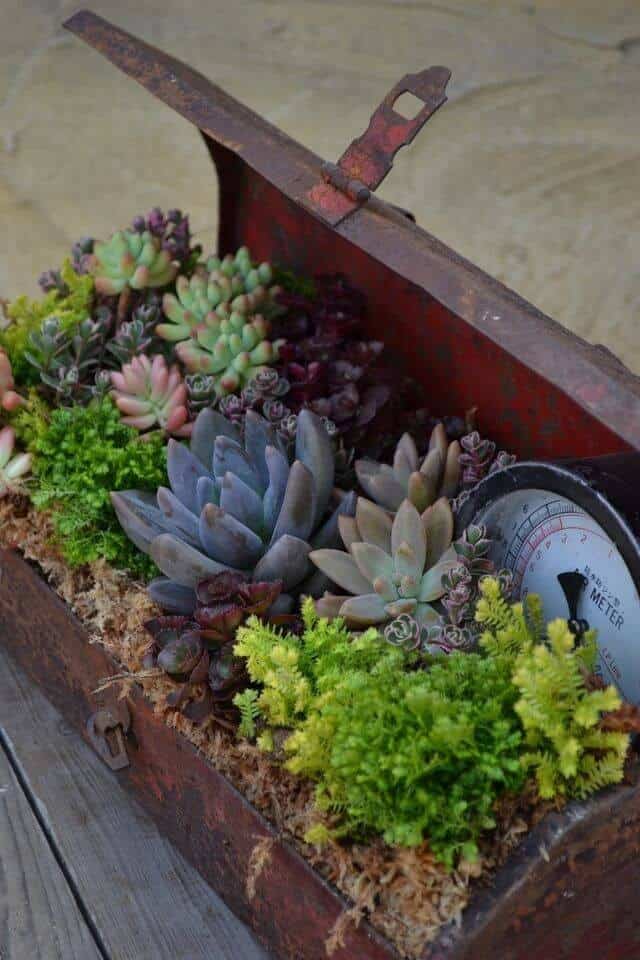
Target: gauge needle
point(573, 583)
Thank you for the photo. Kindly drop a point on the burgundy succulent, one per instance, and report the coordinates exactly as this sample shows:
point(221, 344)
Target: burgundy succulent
point(332, 370)
point(226, 600)
point(200, 650)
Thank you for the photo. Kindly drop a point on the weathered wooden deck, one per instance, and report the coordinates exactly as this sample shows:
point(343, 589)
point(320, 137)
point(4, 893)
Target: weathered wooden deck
point(84, 873)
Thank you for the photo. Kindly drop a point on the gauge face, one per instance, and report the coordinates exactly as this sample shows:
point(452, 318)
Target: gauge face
point(539, 534)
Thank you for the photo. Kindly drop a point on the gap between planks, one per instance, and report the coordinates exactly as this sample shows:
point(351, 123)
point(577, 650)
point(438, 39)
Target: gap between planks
point(135, 895)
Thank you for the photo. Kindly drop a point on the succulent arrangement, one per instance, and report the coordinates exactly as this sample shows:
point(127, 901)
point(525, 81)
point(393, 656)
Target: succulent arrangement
point(236, 504)
point(151, 394)
point(391, 566)
point(225, 433)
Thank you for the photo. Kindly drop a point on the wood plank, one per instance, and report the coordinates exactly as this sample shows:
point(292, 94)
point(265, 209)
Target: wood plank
point(39, 917)
point(145, 900)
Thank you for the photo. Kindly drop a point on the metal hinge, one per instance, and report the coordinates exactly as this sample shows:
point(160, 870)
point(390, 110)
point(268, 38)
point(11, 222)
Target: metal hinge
point(346, 185)
point(107, 729)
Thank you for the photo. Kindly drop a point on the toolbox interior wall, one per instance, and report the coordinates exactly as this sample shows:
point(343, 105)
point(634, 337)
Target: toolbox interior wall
point(458, 366)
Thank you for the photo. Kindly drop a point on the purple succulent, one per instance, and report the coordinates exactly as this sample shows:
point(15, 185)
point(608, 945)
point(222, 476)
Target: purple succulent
point(199, 650)
point(226, 600)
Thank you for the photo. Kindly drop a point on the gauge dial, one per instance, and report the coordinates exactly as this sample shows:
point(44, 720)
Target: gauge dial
point(539, 534)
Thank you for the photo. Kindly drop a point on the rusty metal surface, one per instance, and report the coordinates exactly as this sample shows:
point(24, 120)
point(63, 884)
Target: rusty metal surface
point(544, 390)
point(369, 158)
point(569, 893)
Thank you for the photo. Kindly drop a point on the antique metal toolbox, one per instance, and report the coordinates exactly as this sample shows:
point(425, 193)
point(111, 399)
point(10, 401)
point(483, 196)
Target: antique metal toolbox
point(570, 890)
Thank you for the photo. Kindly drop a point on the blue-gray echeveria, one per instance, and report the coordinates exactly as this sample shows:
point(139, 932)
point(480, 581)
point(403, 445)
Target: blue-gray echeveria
point(240, 505)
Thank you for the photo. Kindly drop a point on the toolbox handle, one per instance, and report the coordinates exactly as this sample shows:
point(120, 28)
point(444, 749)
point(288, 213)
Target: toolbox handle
point(348, 184)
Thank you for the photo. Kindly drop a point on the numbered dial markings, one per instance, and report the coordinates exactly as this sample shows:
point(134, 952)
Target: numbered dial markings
point(538, 535)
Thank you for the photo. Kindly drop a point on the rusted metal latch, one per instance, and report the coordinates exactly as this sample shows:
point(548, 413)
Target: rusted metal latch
point(107, 729)
point(347, 184)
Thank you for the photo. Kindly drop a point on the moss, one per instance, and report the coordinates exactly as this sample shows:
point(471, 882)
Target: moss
point(83, 454)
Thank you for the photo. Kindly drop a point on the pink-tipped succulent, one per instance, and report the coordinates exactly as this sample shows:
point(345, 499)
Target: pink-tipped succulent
point(12, 469)
point(9, 399)
point(151, 394)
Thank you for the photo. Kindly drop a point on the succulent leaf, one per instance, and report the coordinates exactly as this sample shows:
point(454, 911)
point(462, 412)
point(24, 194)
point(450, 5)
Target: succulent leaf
point(139, 516)
point(228, 540)
point(172, 596)
point(178, 518)
point(313, 448)
point(286, 560)
point(184, 470)
point(297, 513)
point(181, 562)
point(208, 426)
point(12, 468)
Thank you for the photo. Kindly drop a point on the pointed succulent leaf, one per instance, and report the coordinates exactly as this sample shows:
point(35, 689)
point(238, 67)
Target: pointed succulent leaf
point(172, 596)
point(431, 587)
point(438, 524)
point(407, 528)
point(181, 562)
point(349, 532)
point(329, 533)
point(208, 425)
point(421, 491)
point(432, 467)
point(438, 440)
point(365, 610)
point(278, 469)
point(228, 456)
point(184, 470)
point(329, 605)
point(207, 491)
point(407, 571)
point(227, 540)
point(258, 435)
point(298, 507)
point(452, 471)
point(405, 459)
point(374, 524)
point(372, 562)
point(314, 450)
point(380, 483)
point(178, 519)
point(426, 615)
point(286, 560)
point(243, 503)
point(397, 607)
point(139, 517)
point(341, 568)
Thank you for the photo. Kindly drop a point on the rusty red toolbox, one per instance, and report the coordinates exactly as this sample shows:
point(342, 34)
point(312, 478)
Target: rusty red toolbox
point(570, 889)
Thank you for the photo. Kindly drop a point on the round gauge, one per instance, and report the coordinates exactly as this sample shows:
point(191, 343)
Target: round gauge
point(563, 539)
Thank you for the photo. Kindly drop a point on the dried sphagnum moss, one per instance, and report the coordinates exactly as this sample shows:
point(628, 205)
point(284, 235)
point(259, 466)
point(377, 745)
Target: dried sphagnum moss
point(403, 892)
